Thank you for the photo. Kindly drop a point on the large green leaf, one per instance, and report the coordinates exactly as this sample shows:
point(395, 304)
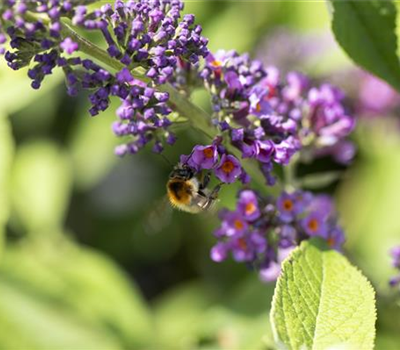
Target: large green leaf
point(322, 301)
point(366, 31)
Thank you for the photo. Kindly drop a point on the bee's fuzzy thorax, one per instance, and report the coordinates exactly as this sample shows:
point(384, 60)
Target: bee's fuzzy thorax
point(181, 193)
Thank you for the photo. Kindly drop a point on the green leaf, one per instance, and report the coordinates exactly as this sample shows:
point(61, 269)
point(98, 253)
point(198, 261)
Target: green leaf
point(366, 31)
point(322, 301)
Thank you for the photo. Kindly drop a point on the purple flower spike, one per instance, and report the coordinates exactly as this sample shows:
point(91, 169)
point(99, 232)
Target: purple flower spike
point(229, 169)
point(248, 205)
point(69, 46)
point(152, 35)
point(263, 231)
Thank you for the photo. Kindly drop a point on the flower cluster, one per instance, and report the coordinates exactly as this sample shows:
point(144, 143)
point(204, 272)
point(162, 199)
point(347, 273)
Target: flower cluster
point(367, 95)
point(270, 119)
point(395, 253)
point(262, 231)
point(142, 34)
point(150, 34)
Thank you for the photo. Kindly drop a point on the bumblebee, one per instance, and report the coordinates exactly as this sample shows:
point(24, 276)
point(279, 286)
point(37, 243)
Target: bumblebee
point(189, 193)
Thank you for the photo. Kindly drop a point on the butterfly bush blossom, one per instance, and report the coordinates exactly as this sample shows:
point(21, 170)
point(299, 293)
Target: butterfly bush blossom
point(262, 231)
point(151, 55)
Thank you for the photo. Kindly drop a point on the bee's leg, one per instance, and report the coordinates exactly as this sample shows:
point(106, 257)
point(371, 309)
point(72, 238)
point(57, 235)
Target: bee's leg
point(215, 191)
point(205, 181)
point(213, 195)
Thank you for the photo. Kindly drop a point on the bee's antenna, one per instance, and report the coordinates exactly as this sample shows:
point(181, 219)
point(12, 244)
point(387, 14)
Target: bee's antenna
point(188, 158)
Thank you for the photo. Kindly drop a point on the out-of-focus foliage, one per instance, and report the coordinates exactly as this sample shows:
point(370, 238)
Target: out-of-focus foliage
point(368, 203)
point(373, 228)
point(93, 140)
point(40, 200)
point(16, 92)
point(6, 153)
point(234, 320)
point(83, 269)
point(70, 297)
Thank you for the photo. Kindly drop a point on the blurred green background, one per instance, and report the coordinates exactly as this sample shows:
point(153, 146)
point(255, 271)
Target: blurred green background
point(81, 265)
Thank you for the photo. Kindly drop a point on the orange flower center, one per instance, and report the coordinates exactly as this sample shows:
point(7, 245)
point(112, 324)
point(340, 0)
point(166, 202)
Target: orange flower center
point(258, 107)
point(208, 152)
point(242, 243)
point(227, 167)
point(238, 224)
point(313, 225)
point(250, 208)
point(288, 204)
point(216, 63)
point(331, 242)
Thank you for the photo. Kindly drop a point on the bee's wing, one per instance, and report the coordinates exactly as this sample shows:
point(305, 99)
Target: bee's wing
point(213, 208)
point(158, 217)
point(206, 204)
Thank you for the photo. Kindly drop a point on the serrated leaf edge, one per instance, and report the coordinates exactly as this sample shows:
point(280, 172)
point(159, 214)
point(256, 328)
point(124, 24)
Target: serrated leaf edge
point(298, 250)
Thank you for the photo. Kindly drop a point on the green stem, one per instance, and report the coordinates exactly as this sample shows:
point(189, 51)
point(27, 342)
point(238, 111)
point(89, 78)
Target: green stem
point(289, 174)
point(89, 48)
